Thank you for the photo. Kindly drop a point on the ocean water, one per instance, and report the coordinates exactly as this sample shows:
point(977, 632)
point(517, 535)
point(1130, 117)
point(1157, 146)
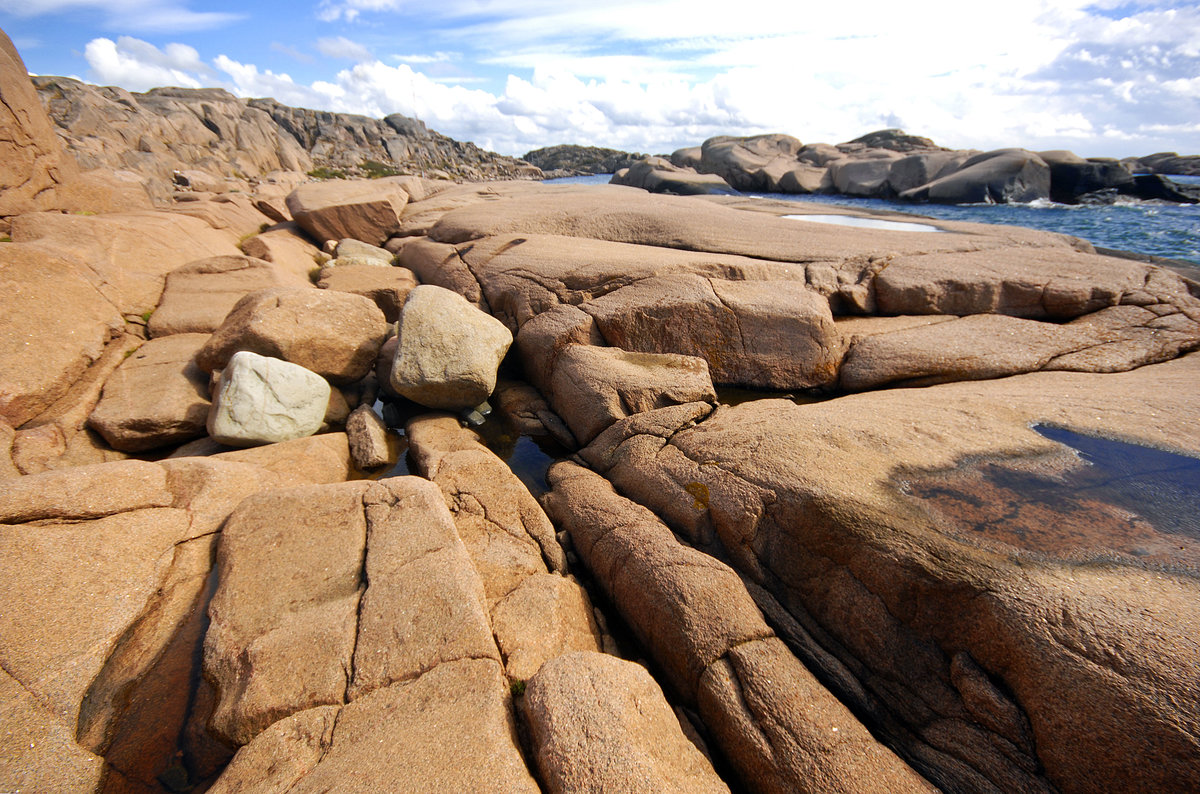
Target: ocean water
point(1155, 228)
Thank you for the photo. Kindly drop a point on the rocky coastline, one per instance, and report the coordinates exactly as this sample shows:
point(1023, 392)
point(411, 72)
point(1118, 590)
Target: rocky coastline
point(255, 540)
point(891, 164)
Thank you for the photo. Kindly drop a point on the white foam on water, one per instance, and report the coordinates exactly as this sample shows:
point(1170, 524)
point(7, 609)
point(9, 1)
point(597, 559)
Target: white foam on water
point(866, 223)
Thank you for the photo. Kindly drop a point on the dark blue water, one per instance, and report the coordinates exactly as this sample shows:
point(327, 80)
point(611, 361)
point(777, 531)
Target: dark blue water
point(1155, 228)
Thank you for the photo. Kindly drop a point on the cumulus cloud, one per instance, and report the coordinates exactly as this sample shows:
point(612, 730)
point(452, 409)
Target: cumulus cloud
point(1101, 78)
point(132, 15)
point(138, 65)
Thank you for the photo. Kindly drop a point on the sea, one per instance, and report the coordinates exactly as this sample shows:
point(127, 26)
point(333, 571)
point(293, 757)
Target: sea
point(1156, 228)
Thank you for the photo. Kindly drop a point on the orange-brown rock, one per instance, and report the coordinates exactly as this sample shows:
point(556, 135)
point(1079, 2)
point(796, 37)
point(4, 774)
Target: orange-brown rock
point(334, 334)
point(600, 723)
point(366, 210)
point(388, 287)
point(199, 295)
point(158, 396)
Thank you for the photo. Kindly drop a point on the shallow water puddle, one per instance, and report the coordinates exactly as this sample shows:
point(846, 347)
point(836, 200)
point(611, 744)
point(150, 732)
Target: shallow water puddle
point(1105, 500)
point(866, 223)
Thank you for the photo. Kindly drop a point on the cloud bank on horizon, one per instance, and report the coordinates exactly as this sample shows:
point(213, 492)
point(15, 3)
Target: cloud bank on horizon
point(1107, 77)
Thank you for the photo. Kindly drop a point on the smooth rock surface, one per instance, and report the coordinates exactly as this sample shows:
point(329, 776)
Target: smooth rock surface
point(158, 396)
point(198, 296)
point(448, 352)
point(334, 334)
point(263, 400)
point(602, 724)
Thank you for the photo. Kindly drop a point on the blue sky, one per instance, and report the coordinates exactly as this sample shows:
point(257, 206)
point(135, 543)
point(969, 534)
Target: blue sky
point(1099, 78)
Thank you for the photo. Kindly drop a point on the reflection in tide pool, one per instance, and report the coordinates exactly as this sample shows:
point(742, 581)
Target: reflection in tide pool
point(866, 223)
point(1104, 500)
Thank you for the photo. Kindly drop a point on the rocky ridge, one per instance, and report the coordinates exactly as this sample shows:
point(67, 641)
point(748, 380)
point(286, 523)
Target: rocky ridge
point(881, 590)
point(209, 140)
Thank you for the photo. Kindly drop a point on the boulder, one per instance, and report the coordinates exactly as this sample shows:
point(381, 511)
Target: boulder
point(592, 387)
point(998, 177)
point(448, 352)
point(753, 163)
point(658, 175)
point(599, 723)
point(262, 400)
point(441, 265)
point(158, 396)
point(775, 334)
point(1072, 176)
point(895, 140)
point(921, 168)
point(334, 334)
point(387, 287)
point(365, 210)
point(804, 178)
point(199, 295)
point(865, 176)
point(351, 248)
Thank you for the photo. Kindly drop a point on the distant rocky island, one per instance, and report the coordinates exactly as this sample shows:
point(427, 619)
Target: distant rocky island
point(891, 164)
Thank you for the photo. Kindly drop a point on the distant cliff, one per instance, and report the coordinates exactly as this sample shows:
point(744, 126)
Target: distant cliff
point(213, 132)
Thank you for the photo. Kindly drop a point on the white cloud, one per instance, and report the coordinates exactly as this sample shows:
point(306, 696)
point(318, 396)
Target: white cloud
point(138, 65)
point(1042, 74)
point(342, 47)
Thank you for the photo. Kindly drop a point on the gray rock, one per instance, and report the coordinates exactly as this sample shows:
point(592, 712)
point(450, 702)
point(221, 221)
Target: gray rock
point(448, 351)
point(357, 248)
point(263, 400)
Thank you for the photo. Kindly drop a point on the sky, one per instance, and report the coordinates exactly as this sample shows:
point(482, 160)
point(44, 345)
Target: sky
point(1105, 78)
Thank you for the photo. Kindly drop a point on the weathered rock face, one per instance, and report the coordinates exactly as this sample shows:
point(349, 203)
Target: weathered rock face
point(327, 594)
point(334, 334)
point(999, 177)
point(658, 175)
point(387, 287)
point(772, 719)
point(890, 578)
point(449, 350)
point(158, 396)
point(571, 160)
point(600, 723)
point(198, 296)
point(222, 140)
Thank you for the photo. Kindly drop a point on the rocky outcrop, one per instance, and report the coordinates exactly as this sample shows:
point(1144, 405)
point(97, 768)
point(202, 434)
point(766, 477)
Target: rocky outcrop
point(571, 160)
point(874, 591)
point(892, 164)
point(659, 175)
point(232, 141)
point(1165, 163)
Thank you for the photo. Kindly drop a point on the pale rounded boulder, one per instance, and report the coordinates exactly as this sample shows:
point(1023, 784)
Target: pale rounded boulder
point(263, 400)
point(448, 352)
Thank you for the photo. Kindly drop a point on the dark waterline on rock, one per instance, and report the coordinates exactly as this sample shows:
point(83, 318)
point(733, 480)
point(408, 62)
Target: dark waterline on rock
point(1105, 501)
